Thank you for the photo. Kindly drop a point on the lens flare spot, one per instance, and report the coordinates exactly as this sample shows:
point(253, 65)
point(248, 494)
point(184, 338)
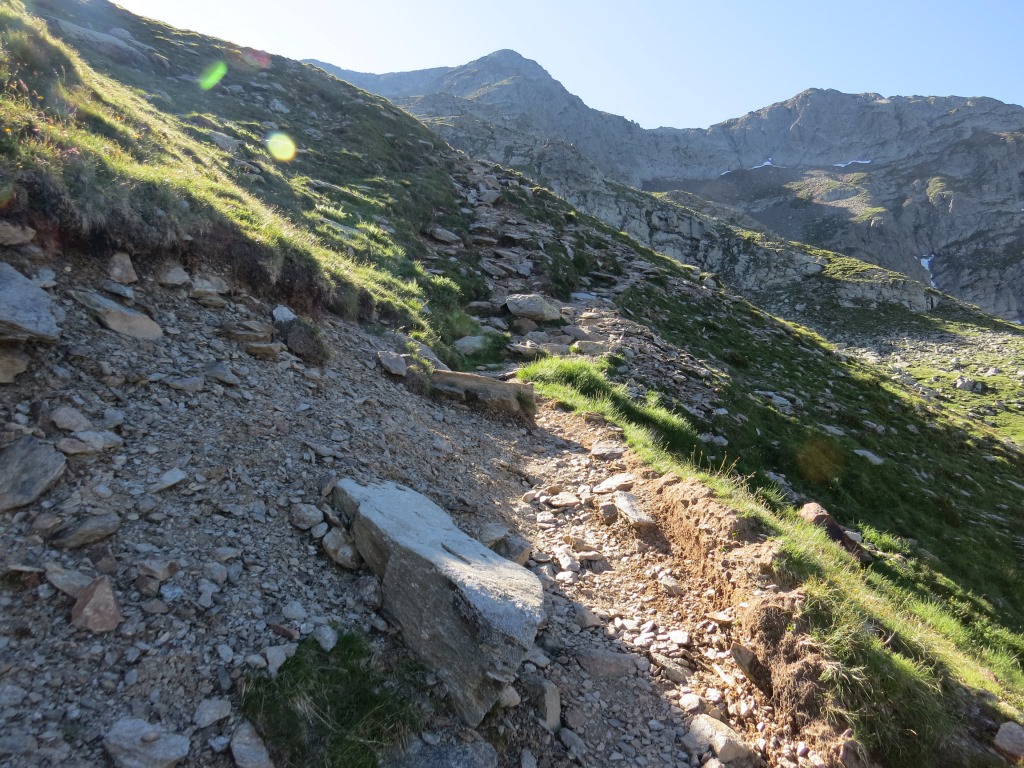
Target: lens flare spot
point(281, 146)
point(256, 59)
point(212, 75)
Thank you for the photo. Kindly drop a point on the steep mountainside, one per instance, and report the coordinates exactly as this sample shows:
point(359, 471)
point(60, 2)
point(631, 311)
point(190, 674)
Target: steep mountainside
point(927, 186)
point(656, 525)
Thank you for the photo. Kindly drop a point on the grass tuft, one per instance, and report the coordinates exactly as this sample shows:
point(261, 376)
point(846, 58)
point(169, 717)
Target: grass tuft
point(330, 709)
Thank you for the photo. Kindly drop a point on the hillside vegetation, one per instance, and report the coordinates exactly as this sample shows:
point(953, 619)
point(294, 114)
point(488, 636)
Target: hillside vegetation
point(305, 189)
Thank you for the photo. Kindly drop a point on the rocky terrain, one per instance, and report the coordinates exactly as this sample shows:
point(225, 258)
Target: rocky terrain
point(893, 181)
point(647, 523)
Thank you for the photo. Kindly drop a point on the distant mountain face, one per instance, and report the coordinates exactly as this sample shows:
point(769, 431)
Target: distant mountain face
point(929, 186)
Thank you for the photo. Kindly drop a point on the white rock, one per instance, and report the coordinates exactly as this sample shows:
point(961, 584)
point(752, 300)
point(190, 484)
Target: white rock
point(393, 363)
point(167, 480)
point(532, 306)
point(134, 743)
point(26, 311)
point(121, 270)
point(173, 276)
point(305, 516)
point(248, 748)
point(470, 614)
point(211, 711)
point(340, 547)
point(872, 458)
point(326, 637)
point(283, 316)
point(70, 419)
point(118, 317)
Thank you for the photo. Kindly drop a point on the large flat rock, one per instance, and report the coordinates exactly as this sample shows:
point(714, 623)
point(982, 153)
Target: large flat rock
point(26, 310)
point(468, 613)
point(505, 395)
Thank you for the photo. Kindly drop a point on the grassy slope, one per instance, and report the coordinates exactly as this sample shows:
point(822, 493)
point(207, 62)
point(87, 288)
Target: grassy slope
point(101, 162)
point(122, 152)
point(940, 612)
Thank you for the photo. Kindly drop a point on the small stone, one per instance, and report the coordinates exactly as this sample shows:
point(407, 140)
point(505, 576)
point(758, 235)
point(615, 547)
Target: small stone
point(628, 506)
point(26, 310)
point(305, 516)
point(13, 363)
point(28, 466)
point(15, 234)
point(527, 759)
point(215, 572)
point(621, 482)
point(173, 276)
point(393, 363)
point(92, 529)
point(509, 697)
point(326, 637)
point(544, 695)
point(248, 748)
point(445, 236)
point(118, 317)
point(69, 582)
point(294, 611)
point(99, 441)
point(690, 703)
point(283, 316)
point(576, 746)
point(186, 383)
point(96, 608)
point(277, 655)
point(607, 451)
point(585, 618)
point(211, 711)
point(70, 420)
point(121, 269)
point(167, 480)
point(674, 671)
point(705, 732)
point(134, 743)
point(871, 457)
point(161, 570)
point(564, 500)
point(606, 664)
point(340, 547)
point(11, 696)
point(219, 371)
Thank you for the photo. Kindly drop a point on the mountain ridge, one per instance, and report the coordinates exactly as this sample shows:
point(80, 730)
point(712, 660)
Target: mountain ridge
point(892, 180)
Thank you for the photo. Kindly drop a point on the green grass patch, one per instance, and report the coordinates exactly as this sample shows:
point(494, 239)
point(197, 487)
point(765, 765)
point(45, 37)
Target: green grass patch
point(330, 709)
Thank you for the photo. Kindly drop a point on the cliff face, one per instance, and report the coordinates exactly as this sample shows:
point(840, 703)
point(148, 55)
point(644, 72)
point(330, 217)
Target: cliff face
point(893, 180)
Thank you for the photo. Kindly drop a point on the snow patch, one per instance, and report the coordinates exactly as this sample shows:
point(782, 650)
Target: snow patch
point(766, 164)
point(850, 162)
point(926, 262)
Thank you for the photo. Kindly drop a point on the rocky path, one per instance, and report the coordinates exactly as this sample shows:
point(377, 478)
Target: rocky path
point(169, 528)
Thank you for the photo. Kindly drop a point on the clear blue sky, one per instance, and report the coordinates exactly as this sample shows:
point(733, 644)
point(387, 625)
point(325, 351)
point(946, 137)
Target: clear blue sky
point(681, 63)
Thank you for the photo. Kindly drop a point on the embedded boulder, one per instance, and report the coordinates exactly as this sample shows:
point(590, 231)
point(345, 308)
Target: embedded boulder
point(469, 614)
point(505, 395)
